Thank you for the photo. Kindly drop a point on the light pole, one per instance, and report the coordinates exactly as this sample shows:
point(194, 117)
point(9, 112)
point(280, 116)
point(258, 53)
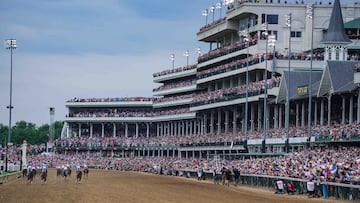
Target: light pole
point(310, 15)
point(205, 13)
point(245, 35)
point(9, 44)
point(219, 6)
point(172, 58)
point(287, 109)
point(186, 54)
point(212, 10)
point(266, 34)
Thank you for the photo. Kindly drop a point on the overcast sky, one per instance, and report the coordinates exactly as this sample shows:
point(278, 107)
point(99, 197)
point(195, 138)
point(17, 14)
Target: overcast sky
point(91, 48)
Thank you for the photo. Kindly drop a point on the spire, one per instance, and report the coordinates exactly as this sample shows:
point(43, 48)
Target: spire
point(336, 32)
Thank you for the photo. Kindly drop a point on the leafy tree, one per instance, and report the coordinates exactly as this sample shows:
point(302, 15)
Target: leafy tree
point(23, 130)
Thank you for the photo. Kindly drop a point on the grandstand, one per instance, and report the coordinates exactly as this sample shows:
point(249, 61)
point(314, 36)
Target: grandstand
point(243, 97)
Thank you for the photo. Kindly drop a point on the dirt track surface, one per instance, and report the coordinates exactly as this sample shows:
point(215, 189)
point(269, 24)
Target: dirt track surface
point(115, 186)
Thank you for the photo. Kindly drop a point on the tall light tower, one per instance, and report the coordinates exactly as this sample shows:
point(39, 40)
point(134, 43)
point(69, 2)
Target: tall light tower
point(310, 15)
point(9, 44)
point(186, 54)
point(245, 35)
point(172, 58)
point(219, 6)
point(205, 13)
point(287, 107)
point(266, 35)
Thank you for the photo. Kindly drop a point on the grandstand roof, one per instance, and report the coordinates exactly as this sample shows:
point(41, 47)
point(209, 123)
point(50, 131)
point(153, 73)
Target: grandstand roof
point(338, 78)
point(297, 79)
point(336, 32)
point(353, 24)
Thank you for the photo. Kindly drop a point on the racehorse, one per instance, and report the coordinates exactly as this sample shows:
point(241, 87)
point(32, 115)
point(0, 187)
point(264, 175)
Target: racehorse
point(65, 173)
point(86, 172)
point(43, 177)
point(24, 173)
point(225, 176)
point(78, 176)
point(30, 176)
point(58, 172)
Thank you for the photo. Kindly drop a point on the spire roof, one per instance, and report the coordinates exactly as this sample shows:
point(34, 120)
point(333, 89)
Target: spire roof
point(336, 32)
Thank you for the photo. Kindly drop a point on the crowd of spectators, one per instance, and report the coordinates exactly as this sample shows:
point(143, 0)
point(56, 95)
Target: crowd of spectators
point(175, 70)
point(253, 88)
point(116, 99)
point(117, 113)
point(176, 85)
point(341, 164)
point(173, 98)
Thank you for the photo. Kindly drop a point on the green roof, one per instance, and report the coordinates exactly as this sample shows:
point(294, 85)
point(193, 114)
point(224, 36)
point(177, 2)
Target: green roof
point(352, 24)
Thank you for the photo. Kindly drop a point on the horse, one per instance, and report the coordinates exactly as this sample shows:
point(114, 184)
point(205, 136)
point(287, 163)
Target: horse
point(43, 177)
point(30, 176)
point(78, 176)
point(86, 172)
point(24, 173)
point(225, 176)
point(65, 173)
point(58, 172)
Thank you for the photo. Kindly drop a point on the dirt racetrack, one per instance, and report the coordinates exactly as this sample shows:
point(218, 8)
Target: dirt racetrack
point(115, 186)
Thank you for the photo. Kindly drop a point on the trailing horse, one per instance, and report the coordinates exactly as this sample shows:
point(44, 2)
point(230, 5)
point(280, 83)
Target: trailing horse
point(86, 172)
point(24, 173)
point(30, 176)
point(43, 177)
point(78, 176)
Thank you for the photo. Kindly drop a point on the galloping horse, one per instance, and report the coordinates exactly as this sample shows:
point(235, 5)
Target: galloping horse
point(78, 176)
point(225, 176)
point(24, 173)
point(43, 177)
point(86, 172)
point(58, 172)
point(30, 176)
point(65, 173)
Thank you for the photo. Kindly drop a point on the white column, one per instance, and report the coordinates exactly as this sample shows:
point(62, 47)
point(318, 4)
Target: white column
point(23, 156)
point(252, 116)
point(212, 122)
point(114, 130)
point(259, 116)
point(147, 130)
point(280, 115)
point(234, 121)
point(79, 130)
point(219, 122)
point(136, 130)
point(91, 130)
point(329, 110)
point(226, 122)
point(205, 124)
point(276, 116)
point(322, 108)
point(315, 112)
point(102, 130)
point(126, 129)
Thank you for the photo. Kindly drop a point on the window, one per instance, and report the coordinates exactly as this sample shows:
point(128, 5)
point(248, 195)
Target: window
point(272, 19)
point(295, 34)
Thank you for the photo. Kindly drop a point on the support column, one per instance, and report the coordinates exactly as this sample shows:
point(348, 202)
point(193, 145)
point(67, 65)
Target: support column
point(315, 112)
point(219, 122)
point(252, 117)
point(102, 130)
point(79, 130)
point(136, 130)
point(343, 110)
point(226, 122)
point(351, 108)
point(280, 115)
point(157, 129)
point(205, 124)
point(329, 110)
point(126, 129)
point(276, 116)
point(358, 108)
point(234, 121)
point(297, 115)
point(114, 130)
point(212, 122)
point(322, 108)
point(147, 129)
point(91, 130)
point(259, 116)
point(303, 114)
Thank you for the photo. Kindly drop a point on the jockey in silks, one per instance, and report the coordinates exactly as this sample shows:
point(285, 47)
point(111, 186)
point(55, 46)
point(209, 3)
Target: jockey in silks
point(43, 167)
point(78, 167)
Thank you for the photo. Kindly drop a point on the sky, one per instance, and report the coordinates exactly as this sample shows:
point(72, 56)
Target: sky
point(91, 49)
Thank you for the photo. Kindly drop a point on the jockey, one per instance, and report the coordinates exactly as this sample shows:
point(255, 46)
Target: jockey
point(43, 167)
point(78, 167)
